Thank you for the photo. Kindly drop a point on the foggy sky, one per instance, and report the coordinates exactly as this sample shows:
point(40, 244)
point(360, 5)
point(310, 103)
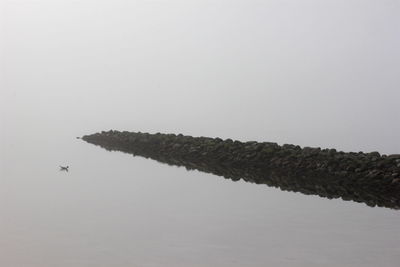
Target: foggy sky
point(306, 72)
point(310, 72)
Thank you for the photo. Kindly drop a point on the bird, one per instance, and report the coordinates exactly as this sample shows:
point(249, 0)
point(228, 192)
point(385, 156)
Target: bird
point(62, 168)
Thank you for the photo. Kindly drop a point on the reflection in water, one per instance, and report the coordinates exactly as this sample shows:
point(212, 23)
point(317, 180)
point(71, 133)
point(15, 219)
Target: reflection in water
point(253, 163)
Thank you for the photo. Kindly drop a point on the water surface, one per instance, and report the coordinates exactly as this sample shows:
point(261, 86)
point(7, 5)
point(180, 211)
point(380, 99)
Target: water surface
point(300, 72)
point(115, 209)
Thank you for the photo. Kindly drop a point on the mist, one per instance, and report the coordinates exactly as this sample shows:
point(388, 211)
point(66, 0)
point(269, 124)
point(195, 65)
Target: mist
point(304, 72)
point(310, 73)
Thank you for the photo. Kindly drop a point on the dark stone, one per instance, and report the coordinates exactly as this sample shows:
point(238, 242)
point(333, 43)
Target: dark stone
point(374, 154)
point(361, 177)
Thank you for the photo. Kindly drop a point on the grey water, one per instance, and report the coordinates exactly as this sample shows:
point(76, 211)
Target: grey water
point(301, 72)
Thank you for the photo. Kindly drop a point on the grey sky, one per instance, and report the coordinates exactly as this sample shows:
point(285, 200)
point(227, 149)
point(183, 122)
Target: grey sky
point(318, 73)
point(308, 72)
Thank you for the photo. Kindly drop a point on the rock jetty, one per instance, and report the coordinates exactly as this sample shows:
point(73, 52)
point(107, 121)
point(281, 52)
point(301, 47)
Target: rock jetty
point(370, 178)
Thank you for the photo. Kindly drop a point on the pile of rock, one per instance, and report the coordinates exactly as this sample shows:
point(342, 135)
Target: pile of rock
point(363, 177)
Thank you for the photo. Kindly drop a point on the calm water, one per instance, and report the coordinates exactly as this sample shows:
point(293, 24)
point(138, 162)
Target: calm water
point(112, 209)
point(300, 72)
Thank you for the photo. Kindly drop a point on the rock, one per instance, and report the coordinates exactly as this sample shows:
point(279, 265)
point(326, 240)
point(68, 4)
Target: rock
point(374, 154)
point(361, 177)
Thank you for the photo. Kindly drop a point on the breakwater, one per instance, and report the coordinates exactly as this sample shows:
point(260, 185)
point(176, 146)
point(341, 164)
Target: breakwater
point(370, 178)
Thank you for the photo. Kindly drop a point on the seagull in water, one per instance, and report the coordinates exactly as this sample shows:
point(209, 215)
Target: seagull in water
point(62, 168)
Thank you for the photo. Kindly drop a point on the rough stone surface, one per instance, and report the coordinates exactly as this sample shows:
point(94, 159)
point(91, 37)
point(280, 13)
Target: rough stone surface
point(362, 177)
